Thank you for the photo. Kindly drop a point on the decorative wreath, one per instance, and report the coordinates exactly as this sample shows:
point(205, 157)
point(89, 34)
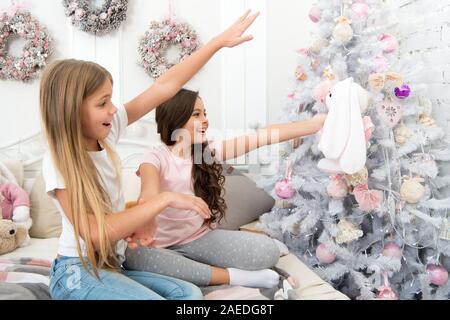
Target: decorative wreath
point(36, 49)
point(96, 20)
point(154, 45)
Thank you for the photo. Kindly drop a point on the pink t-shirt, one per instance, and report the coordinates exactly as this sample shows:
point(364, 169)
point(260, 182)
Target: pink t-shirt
point(174, 226)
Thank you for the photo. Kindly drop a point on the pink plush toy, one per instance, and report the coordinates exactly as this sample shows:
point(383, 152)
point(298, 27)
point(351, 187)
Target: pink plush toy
point(15, 205)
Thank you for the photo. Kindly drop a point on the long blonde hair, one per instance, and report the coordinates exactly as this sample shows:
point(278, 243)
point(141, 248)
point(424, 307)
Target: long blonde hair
point(64, 86)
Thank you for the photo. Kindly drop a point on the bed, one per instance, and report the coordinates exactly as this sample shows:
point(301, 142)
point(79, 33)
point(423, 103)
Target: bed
point(24, 273)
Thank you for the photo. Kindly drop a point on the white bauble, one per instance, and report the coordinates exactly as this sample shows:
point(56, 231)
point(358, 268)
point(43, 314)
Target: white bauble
point(318, 44)
point(343, 32)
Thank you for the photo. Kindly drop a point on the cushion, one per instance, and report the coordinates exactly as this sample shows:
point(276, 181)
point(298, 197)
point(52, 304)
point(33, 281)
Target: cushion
point(253, 227)
point(16, 168)
point(45, 215)
point(245, 201)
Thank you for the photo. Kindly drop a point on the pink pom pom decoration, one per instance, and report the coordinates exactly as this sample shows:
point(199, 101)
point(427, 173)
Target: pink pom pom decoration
point(392, 250)
point(361, 9)
point(390, 42)
point(324, 255)
point(385, 292)
point(315, 14)
point(438, 274)
point(284, 190)
point(337, 188)
point(368, 200)
point(369, 127)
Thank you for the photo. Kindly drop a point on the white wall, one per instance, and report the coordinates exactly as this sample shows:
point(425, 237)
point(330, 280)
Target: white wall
point(240, 86)
point(231, 84)
point(428, 40)
point(288, 29)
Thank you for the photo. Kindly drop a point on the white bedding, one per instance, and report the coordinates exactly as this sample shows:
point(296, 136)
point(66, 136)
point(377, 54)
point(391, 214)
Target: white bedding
point(312, 287)
point(37, 248)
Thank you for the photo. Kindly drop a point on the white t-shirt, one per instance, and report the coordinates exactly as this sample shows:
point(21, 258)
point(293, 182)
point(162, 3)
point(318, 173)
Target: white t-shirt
point(53, 180)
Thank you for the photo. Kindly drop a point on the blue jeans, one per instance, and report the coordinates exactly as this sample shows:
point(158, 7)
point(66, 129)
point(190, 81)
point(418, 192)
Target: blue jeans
point(70, 281)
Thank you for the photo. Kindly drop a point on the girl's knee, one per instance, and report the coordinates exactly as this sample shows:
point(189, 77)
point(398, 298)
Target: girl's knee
point(265, 255)
point(195, 294)
point(186, 291)
point(272, 253)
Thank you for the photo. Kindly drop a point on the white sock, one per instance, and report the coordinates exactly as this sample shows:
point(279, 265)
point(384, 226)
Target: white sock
point(284, 251)
point(256, 279)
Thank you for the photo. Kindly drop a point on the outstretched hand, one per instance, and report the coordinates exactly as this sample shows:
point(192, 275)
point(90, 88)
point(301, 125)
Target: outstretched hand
point(233, 36)
point(319, 121)
point(144, 236)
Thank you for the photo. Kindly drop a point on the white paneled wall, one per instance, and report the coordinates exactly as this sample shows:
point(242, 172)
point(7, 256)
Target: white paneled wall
point(241, 87)
point(232, 84)
point(427, 39)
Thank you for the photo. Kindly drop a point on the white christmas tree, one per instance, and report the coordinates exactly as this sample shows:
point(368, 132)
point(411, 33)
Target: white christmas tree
point(382, 233)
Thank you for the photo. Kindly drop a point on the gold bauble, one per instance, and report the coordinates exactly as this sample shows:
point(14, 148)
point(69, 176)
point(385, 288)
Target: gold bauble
point(402, 134)
point(412, 191)
point(348, 232)
point(358, 178)
point(427, 121)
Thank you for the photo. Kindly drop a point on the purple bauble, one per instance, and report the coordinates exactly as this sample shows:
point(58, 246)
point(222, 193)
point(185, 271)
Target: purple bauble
point(438, 274)
point(324, 255)
point(403, 92)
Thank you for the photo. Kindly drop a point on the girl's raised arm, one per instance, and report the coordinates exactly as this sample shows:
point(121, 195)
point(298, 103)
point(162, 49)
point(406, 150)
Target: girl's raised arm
point(237, 147)
point(175, 78)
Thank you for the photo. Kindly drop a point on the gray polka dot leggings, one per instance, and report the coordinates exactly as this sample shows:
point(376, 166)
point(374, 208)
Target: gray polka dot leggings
point(192, 262)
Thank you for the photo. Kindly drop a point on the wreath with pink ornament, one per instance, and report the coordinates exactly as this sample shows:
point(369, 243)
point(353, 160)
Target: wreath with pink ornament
point(37, 48)
point(159, 38)
point(98, 21)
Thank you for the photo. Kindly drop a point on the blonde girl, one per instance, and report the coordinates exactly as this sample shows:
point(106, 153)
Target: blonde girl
point(82, 174)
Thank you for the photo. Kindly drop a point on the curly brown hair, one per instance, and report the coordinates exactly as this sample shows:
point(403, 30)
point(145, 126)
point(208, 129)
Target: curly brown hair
point(208, 180)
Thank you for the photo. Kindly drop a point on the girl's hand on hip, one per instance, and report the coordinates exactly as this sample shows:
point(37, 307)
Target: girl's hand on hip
point(233, 35)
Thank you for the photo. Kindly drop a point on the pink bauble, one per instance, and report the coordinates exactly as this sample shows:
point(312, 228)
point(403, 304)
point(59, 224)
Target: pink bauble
point(337, 189)
point(381, 64)
point(390, 42)
point(438, 274)
point(392, 250)
point(324, 255)
point(368, 200)
point(284, 190)
point(361, 9)
point(315, 14)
